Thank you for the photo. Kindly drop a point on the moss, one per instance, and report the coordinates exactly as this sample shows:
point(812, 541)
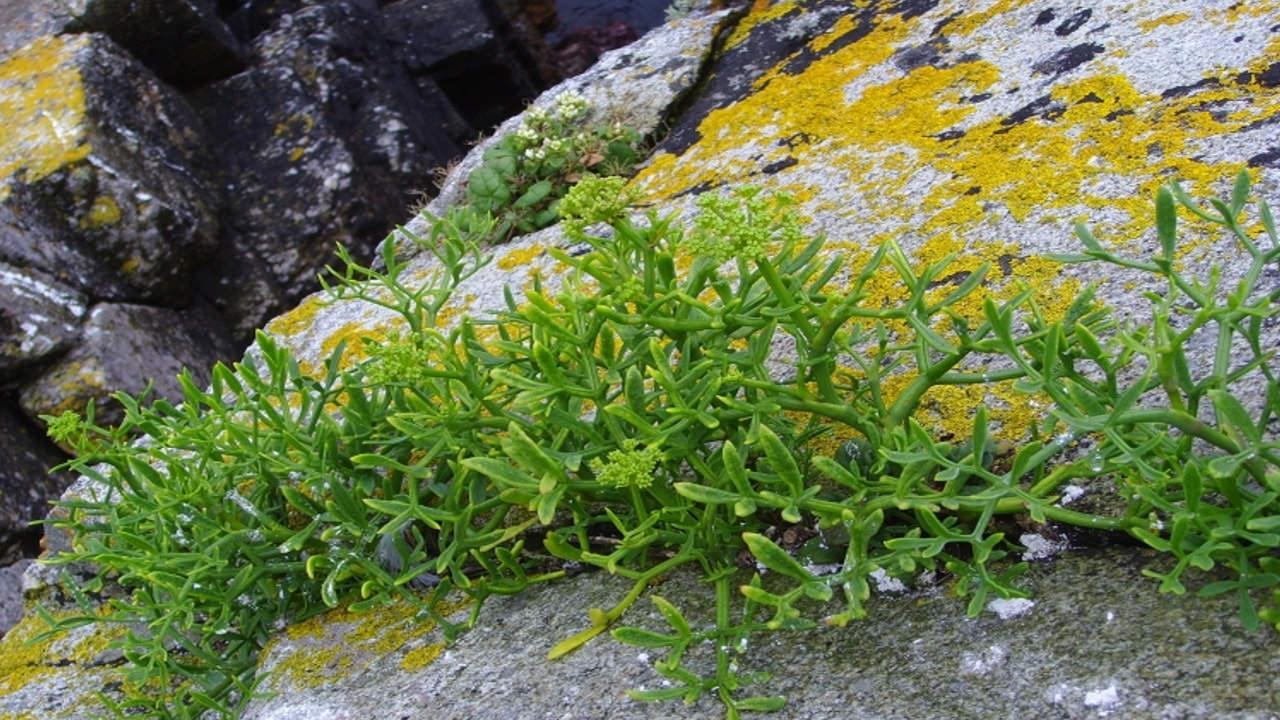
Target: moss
point(42, 101)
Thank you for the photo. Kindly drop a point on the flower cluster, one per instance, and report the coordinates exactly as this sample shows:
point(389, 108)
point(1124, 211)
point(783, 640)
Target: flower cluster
point(526, 173)
point(398, 360)
point(594, 200)
point(628, 466)
point(742, 224)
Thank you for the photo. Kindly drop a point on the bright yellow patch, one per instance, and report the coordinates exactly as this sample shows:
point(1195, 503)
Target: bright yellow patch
point(42, 103)
point(520, 257)
point(104, 212)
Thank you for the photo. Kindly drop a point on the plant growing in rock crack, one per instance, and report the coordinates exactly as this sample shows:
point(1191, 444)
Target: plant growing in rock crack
point(637, 420)
point(524, 175)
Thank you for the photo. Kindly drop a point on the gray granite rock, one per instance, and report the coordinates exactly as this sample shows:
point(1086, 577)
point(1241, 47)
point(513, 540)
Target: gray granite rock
point(106, 199)
point(125, 347)
point(1097, 641)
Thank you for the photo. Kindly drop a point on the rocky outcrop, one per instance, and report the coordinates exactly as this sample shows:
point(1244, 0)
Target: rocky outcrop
point(192, 154)
point(128, 348)
point(109, 200)
point(981, 131)
point(1094, 643)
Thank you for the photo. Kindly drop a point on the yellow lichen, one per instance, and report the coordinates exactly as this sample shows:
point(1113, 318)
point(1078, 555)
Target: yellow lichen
point(23, 662)
point(419, 658)
point(520, 257)
point(1169, 19)
point(365, 638)
point(104, 212)
point(42, 101)
point(297, 319)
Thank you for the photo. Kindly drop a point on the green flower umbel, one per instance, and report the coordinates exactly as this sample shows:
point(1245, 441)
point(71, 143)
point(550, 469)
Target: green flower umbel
point(594, 200)
point(742, 224)
point(628, 466)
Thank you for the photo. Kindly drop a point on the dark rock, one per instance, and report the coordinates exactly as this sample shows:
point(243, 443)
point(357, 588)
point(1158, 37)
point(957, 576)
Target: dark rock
point(26, 486)
point(107, 199)
point(125, 347)
point(466, 50)
point(39, 317)
point(580, 49)
point(11, 594)
point(241, 286)
point(182, 41)
point(322, 142)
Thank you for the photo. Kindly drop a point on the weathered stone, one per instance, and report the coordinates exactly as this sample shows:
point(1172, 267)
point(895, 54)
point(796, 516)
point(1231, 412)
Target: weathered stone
point(26, 486)
point(183, 41)
point(125, 347)
point(340, 143)
point(1097, 640)
point(11, 606)
point(104, 198)
point(22, 21)
point(39, 317)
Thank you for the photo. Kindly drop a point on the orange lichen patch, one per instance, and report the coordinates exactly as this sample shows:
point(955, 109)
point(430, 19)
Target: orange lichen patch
point(42, 101)
point(520, 257)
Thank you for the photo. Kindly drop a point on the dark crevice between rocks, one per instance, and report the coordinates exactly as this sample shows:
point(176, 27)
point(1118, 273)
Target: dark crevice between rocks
point(663, 138)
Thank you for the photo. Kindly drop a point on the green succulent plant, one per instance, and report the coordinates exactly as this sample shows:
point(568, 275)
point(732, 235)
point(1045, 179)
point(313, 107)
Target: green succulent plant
point(648, 407)
point(523, 176)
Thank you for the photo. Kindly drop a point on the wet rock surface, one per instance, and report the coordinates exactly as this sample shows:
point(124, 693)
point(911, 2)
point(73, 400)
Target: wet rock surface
point(128, 347)
point(39, 316)
point(180, 154)
point(109, 200)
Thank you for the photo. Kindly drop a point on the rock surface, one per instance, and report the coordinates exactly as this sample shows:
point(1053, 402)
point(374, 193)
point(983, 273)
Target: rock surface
point(182, 42)
point(106, 199)
point(26, 487)
point(128, 347)
point(39, 317)
point(1098, 641)
point(978, 129)
point(321, 122)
